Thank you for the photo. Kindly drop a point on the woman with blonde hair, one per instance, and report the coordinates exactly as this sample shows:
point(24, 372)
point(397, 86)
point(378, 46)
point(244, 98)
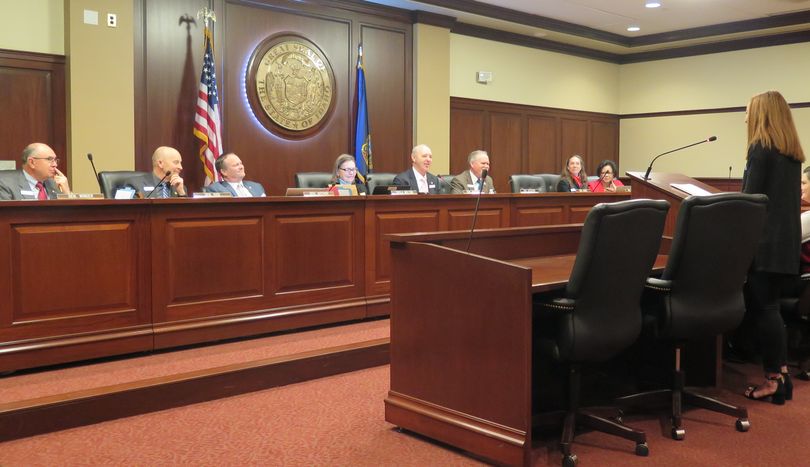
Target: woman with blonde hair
point(345, 173)
point(773, 168)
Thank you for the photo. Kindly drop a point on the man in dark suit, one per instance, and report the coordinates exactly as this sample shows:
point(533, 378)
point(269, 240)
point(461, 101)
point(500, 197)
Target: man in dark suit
point(39, 177)
point(418, 178)
point(167, 163)
point(233, 174)
point(470, 180)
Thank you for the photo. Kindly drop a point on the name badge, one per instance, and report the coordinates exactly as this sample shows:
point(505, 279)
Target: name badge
point(147, 189)
point(28, 194)
point(432, 186)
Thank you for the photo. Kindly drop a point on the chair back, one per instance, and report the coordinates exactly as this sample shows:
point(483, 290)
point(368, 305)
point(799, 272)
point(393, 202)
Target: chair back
point(379, 179)
point(518, 182)
point(715, 241)
point(617, 250)
point(313, 179)
point(114, 179)
point(551, 181)
point(445, 182)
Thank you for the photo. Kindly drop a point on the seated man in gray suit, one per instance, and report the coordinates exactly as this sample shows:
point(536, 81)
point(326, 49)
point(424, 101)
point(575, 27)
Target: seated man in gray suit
point(39, 177)
point(417, 178)
point(167, 163)
point(233, 174)
point(470, 180)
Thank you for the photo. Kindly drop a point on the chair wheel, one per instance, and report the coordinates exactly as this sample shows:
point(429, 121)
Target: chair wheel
point(569, 460)
point(678, 434)
point(642, 450)
point(742, 424)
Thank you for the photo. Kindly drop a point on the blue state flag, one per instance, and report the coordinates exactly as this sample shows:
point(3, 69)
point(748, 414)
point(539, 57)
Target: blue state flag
point(362, 130)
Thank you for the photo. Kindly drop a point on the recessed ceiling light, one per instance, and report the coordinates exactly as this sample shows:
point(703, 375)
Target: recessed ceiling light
point(633, 28)
point(652, 4)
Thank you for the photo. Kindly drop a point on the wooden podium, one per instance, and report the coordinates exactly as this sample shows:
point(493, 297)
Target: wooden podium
point(659, 186)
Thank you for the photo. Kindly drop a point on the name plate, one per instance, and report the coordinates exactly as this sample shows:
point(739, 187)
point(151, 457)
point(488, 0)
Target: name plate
point(404, 192)
point(317, 194)
point(208, 194)
point(79, 196)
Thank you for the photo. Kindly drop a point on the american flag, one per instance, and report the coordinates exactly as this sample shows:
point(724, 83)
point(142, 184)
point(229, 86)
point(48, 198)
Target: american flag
point(206, 120)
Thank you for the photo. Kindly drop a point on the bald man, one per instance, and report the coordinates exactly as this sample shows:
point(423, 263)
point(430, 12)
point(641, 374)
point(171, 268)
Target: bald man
point(167, 163)
point(39, 177)
point(418, 178)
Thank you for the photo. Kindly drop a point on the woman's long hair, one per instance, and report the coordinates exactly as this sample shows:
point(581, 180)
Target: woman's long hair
point(770, 123)
point(566, 174)
point(338, 162)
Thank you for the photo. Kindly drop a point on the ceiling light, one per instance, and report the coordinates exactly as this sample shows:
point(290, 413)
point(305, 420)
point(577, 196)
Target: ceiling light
point(652, 4)
point(633, 28)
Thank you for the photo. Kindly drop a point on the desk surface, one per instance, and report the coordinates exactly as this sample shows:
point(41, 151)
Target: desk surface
point(552, 272)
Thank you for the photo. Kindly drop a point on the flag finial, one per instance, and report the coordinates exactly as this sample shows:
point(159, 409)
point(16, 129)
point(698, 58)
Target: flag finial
point(206, 14)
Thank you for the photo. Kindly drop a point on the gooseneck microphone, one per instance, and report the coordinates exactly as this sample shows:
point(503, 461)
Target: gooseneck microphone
point(168, 174)
point(484, 174)
point(90, 158)
point(649, 169)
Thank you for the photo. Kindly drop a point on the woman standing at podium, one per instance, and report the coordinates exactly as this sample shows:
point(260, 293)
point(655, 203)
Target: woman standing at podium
point(773, 168)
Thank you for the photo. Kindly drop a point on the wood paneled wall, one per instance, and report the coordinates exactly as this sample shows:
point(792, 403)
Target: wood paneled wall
point(168, 64)
point(528, 139)
point(32, 92)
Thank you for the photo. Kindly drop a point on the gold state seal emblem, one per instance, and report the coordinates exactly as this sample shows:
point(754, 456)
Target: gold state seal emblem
point(294, 84)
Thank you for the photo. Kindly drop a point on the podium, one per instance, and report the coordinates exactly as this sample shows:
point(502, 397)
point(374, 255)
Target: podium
point(660, 186)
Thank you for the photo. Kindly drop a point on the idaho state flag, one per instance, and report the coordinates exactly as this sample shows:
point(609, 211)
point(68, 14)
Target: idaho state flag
point(362, 131)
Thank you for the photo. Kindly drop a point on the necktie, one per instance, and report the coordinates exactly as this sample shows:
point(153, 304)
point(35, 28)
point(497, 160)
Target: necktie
point(42, 194)
point(164, 190)
point(423, 186)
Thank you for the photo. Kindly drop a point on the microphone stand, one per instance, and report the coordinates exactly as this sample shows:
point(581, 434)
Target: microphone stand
point(168, 173)
point(90, 158)
point(649, 169)
point(475, 213)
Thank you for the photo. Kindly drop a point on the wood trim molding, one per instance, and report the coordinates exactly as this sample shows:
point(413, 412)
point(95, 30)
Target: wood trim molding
point(677, 113)
point(433, 19)
point(31, 56)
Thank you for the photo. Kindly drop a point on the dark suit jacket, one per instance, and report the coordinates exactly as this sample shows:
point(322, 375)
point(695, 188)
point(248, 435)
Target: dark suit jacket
point(564, 185)
point(149, 180)
point(255, 189)
point(408, 179)
point(464, 179)
point(13, 183)
point(771, 173)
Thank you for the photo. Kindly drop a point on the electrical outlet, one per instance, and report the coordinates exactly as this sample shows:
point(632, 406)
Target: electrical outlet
point(112, 20)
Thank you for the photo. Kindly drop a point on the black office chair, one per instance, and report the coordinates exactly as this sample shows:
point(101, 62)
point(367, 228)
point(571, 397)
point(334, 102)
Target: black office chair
point(110, 181)
point(551, 181)
point(700, 293)
point(519, 182)
point(795, 308)
point(379, 179)
point(444, 184)
point(584, 326)
point(313, 179)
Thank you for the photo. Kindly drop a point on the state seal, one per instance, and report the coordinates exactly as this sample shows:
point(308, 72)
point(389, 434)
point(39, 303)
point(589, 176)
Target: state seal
point(294, 83)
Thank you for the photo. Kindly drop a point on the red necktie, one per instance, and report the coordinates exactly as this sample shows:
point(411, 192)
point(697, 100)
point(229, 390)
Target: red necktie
point(42, 193)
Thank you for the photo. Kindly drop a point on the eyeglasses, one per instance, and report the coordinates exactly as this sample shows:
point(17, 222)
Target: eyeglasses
point(606, 173)
point(348, 169)
point(51, 160)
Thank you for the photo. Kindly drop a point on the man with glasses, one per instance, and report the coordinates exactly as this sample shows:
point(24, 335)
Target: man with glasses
point(233, 174)
point(39, 177)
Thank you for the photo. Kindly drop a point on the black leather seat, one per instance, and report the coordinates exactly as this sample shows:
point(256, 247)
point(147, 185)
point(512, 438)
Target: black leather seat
point(444, 184)
point(795, 308)
point(110, 181)
point(519, 182)
point(379, 179)
point(700, 293)
point(313, 179)
point(583, 326)
point(551, 181)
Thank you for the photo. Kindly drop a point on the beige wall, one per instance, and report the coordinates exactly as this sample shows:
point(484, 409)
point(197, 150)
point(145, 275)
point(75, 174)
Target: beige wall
point(706, 82)
point(32, 26)
point(100, 82)
point(528, 76)
point(432, 92)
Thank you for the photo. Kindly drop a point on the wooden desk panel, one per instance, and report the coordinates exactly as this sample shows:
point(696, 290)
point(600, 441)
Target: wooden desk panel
point(126, 276)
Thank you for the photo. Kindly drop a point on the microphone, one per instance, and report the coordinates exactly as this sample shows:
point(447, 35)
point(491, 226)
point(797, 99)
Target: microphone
point(649, 169)
point(729, 172)
point(475, 213)
point(90, 158)
point(168, 174)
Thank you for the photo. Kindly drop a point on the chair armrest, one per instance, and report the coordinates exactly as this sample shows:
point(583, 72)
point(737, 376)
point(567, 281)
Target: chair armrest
point(556, 306)
point(805, 277)
point(659, 285)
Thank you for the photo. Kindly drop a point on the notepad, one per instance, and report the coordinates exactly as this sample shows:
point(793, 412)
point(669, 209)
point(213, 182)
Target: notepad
point(690, 188)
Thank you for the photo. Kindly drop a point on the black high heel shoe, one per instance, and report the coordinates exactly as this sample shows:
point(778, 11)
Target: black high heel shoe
point(788, 386)
point(777, 397)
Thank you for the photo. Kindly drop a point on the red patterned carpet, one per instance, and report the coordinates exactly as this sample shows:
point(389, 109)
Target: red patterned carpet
point(339, 421)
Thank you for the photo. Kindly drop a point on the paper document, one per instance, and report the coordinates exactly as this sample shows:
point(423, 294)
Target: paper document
point(690, 188)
